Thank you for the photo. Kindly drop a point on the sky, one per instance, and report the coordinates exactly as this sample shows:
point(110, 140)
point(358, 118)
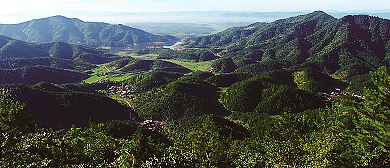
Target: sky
point(15, 10)
point(9, 6)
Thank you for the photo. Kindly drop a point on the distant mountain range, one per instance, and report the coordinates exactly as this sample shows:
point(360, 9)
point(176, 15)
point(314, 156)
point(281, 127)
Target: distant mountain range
point(75, 31)
point(348, 46)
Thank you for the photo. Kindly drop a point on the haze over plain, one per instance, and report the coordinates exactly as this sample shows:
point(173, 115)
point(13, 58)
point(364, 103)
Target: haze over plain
point(125, 11)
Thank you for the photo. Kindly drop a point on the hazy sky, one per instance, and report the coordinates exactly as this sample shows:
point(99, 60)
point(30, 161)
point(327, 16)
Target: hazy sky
point(11, 6)
point(16, 10)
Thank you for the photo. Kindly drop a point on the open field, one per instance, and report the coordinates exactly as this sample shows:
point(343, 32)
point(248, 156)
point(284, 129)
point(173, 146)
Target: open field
point(105, 73)
point(145, 56)
point(194, 66)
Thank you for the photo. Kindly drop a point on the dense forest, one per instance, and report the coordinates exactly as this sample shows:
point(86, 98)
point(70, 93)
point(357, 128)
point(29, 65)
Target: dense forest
point(352, 45)
point(56, 62)
point(306, 91)
point(349, 133)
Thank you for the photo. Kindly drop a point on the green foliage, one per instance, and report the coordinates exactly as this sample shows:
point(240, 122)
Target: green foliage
point(259, 68)
point(374, 135)
point(224, 65)
point(89, 147)
point(359, 82)
point(275, 119)
point(205, 138)
point(188, 96)
point(276, 99)
point(227, 79)
point(20, 49)
point(55, 107)
point(144, 82)
point(351, 133)
point(45, 61)
point(49, 62)
point(244, 95)
point(35, 74)
point(16, 54)
point(11, 123)
point(137, 72)
point(265, 94)
point(313, 81)
point(352, 45)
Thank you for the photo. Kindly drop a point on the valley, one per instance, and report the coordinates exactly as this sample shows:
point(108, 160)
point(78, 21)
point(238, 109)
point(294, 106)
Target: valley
point(304, 91)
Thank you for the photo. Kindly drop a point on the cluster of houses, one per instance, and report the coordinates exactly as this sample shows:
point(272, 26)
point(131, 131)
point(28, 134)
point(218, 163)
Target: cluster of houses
point(152, 125)
point(338, 92)
point(119, 90)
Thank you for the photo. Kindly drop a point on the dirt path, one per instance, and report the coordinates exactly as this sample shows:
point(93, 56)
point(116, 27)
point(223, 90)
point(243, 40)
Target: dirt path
point(107, 69)
point(128, 103)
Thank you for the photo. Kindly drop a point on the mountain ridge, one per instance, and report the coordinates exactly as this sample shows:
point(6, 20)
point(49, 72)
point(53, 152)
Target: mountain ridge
point(76, 31)
point(315, 40)
point(17, 49)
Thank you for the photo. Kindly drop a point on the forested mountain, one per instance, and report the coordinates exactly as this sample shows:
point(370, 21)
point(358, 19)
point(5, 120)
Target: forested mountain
point(75, 31)
point(58, 62)
point(11, 49)
point(349, 46)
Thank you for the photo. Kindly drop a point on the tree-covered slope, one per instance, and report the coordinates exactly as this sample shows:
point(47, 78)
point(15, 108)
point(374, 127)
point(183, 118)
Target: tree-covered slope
point(57, 107)
point(144, 82)
point(275, 92)
point(75, 31)
point(352, 45)
point(11, 48)
point(16, 54)
point(188, 96)
point(347, 134)
point(45, 61)
point(77, 53)
point(35, 74)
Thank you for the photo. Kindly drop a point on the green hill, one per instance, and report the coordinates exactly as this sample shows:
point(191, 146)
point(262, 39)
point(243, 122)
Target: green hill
point(11, 48)
point(264, 105)
point(276, 92)
point(352, 45)
point(22, 62)
point(143, 82)
point(57, 107)
point(45, 61)
point(185, 97)
point(75, 31)
point(77, 53)
point(35, 74)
